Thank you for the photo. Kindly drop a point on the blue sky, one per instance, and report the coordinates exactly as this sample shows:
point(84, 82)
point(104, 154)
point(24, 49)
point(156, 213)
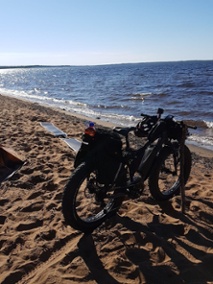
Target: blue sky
point(87, 32)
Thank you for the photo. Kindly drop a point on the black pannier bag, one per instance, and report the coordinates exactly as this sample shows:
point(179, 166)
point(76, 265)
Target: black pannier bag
point(105, 150)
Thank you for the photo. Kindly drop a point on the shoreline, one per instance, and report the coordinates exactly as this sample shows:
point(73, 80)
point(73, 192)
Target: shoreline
point(200, 150)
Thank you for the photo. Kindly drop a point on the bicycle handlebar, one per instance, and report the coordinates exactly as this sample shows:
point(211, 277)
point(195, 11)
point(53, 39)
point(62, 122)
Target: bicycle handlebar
point(160, 111)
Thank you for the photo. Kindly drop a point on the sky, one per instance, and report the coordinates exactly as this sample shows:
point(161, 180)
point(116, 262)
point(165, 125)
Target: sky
point(93, 32)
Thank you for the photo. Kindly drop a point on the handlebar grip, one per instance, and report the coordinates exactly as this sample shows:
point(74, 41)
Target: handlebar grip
point(145, 115)
point(187, 125)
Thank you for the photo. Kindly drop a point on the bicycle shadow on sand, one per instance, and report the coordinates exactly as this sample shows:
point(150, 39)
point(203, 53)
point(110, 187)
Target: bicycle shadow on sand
point(177, 252)
point(88, 252)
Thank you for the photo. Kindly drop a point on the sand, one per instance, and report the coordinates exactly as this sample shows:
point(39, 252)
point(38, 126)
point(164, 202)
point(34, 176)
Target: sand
point(147, 242)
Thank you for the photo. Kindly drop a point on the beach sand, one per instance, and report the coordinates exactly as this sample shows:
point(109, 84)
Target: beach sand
point(147, 242)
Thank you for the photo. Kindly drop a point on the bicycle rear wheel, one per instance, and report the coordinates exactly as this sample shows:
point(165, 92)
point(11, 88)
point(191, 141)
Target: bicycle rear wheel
point(164, 180)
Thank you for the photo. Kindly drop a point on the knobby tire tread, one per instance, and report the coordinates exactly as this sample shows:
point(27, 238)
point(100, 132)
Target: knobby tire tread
point(68, 201)
point(154, 176)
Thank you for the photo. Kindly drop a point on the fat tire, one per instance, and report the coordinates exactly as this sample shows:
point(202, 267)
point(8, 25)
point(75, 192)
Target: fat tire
point(154, 175)
point(69, 202)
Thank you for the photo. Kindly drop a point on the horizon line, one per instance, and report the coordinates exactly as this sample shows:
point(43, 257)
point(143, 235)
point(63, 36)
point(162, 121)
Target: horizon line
point(103, 64)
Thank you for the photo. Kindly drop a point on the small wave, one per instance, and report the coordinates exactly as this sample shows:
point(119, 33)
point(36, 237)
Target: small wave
point(24, 94)
point(119, 119)
point(209, 124)
point(140, 96)
point(110, 107)
point(75, 103)
point(204, 141)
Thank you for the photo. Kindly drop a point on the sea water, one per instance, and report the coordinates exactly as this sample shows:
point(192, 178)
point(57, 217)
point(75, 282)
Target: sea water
point(119, 93)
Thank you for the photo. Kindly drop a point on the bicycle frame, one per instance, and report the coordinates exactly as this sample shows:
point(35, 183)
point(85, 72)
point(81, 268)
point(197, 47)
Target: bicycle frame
point(151, 151)
point(140, 160)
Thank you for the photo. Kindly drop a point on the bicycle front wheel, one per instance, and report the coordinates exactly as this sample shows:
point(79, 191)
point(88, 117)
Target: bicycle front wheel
point(85, 203)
